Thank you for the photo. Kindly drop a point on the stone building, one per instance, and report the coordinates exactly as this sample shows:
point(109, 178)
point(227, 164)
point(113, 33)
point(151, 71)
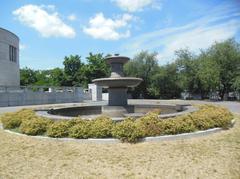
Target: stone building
point(9, 58)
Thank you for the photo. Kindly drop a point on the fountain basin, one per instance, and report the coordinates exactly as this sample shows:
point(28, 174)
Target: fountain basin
point(118, 82)
point(115, 112)
point(117, 59)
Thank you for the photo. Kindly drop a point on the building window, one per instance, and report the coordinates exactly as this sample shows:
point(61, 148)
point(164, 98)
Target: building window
point(12, 53)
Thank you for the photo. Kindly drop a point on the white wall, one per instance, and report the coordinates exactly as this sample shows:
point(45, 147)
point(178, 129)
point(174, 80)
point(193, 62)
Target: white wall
point(9, 71)
point(96, 92)
point(20, 97)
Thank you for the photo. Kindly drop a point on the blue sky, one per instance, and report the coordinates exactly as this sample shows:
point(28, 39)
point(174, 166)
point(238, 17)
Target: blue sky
point(50, 30)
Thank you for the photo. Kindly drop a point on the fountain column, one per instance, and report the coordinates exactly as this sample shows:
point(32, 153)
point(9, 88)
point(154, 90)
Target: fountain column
point(117, 85)
point(118, 94)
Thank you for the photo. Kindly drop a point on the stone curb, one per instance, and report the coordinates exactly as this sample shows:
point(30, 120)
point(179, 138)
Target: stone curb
point(114, 141)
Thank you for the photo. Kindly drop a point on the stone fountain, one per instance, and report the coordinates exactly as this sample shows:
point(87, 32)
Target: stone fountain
point(117, 107)
point(117, 86)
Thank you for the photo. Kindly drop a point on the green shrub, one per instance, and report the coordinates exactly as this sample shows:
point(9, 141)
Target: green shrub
point(82, 130)
point(202, 121)
point(177, 125)
point(10, 121)
point(59, 128)
point(35, 126)
point(75, 121)
point(101, 127)
point(14, 119)
point(127, 131)
point(210, 116)
point(181, 124)
point(168, 126)
point(149, 124)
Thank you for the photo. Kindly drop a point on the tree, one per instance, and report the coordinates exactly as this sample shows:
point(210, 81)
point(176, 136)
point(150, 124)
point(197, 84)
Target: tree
point(187, 67)
point(72, 64)
point(208, 73)
point(96, 67)
point(164, 84)
point(27, 76)
point(144, 65)
point(227, 57)
point(57, 77)
point(214, 69)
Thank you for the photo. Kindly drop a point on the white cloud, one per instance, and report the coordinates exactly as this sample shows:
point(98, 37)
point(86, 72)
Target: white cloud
point(220, 24)
point(72, 17)
point(198, 38)
point(46, 23)
point(107, 28)
point(137, 5)
point(48, 7)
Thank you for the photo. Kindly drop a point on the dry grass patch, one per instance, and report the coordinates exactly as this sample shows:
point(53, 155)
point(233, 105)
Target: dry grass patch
point(214, 156)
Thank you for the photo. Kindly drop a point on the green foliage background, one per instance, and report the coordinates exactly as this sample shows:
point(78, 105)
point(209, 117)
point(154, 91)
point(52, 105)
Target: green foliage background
point(214, 69)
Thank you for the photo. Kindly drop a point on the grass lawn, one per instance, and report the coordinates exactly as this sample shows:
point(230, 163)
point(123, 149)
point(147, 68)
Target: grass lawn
point(213, 156)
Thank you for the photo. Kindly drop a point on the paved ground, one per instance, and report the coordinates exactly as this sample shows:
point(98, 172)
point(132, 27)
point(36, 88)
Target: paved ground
point(232, 106)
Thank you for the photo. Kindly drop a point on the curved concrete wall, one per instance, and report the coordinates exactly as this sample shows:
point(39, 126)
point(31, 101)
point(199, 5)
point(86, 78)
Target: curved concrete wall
point(9, 70)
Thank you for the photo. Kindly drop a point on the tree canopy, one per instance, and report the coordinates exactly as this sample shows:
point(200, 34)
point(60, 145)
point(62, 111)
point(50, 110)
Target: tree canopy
point(215, 69)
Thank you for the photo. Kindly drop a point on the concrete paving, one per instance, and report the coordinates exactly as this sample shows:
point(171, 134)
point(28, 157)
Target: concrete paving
point(233, 106)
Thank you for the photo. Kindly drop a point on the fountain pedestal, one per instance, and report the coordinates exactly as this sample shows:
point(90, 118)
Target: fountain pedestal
point(117, 96)
point(117, 86)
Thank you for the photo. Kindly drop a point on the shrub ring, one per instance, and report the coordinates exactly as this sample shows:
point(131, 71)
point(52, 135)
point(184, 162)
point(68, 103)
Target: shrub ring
point(145, 139)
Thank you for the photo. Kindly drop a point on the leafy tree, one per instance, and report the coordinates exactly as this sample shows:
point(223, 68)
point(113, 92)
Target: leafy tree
point(164, 84)
point(236, 84)
point(43, 78)
point(227, 57)
point(214, 69)
point(208, 73)
point(144, 65)
point(27, 76)
point(72, 64)
point(96, 67)
point(187, 66)
point(57, 77)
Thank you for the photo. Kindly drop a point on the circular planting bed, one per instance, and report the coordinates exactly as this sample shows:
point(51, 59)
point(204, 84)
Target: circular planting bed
point(208, 118)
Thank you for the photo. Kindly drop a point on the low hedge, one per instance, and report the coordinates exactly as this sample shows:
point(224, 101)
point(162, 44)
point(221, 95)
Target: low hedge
point(59, 129)
point(81, 130)
point(35, 126)
point(128, 130)
point(14, 120)
point(149, 125)
point(101, 127)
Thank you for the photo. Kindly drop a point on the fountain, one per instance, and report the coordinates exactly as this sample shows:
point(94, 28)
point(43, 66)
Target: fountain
point(117, 86)
point(117, 107)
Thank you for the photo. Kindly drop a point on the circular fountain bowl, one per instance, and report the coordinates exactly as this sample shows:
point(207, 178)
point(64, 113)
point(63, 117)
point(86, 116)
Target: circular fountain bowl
point(117, 59)
point(118, 82)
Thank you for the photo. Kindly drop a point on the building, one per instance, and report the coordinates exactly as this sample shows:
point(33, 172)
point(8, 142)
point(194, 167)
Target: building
point(9, 58)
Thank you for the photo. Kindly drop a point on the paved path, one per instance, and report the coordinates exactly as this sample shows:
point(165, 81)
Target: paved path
point(232, 106)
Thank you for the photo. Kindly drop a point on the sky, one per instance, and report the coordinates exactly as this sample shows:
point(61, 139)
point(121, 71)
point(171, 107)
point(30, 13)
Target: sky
point(49, 30)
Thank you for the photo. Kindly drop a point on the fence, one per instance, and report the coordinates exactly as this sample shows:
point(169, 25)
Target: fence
point(32, 95)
